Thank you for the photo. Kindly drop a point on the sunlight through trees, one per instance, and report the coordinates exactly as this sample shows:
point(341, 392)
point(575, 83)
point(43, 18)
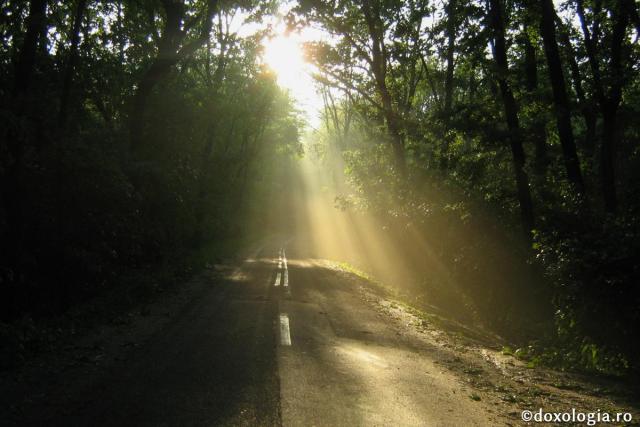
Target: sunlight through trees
point(478, 155)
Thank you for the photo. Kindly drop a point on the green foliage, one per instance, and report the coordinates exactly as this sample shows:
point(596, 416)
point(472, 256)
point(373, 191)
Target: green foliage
point(81, 209)
point(593, 265)
point(175, 137)
point(441, 85)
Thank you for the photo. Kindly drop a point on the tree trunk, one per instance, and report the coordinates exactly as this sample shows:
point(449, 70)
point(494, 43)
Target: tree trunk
point(11, 244)
point(170, 51)
point(120, 36)
point(71, 64)
point(27, 57)
point(560, 99)
point(137, 120)
point(610, 110)
point(608, 104)
point(214, 80)
point(392, 120)
point(590, 47)
point(448, 81)
point(379, 69)
point(451, 39)
point(586, 107)
point(511, 114)
point(537, 132)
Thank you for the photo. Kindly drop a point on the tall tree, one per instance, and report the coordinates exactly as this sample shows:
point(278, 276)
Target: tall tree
point(14, 139)
point(609, 102)
point(560, 98)
point(496, 24)
point(585, 103)
point(378, 62)
point(27, 56)
point(173, 47)
point(377, 42)
point(537, 129)
point(70, 63)
point(451, 29)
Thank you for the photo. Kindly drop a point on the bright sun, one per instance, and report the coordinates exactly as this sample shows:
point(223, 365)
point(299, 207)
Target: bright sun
point(284, 55)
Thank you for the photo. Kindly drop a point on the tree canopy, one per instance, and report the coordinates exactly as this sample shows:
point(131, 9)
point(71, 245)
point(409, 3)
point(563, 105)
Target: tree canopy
point(502, 132)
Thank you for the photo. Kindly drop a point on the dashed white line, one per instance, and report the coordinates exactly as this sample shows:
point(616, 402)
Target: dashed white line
point(285, 334)
point(277, 282)
point(283, 273)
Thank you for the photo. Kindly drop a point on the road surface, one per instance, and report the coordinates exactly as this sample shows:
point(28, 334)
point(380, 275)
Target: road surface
point(282, 340)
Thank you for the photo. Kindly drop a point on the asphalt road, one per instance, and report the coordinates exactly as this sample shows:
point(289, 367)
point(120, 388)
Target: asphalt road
point(283, 340)
point(351, 365)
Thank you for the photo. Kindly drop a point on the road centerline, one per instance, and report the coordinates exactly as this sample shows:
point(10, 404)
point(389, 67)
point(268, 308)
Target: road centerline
point(285, 334)
point(277, 282)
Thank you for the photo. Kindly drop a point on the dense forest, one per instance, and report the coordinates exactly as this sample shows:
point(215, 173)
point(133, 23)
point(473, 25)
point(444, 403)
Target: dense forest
point(139, 135)
point(503, 133)
point(132, 134)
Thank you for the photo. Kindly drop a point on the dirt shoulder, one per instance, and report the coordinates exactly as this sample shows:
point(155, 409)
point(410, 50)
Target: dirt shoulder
point(509, 384)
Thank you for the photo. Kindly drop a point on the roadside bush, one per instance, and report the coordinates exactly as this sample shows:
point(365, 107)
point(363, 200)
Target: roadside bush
point(593, 263)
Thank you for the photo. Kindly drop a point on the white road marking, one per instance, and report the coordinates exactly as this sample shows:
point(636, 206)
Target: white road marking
point(285, 335)
point(286, 274)
point(277, 282)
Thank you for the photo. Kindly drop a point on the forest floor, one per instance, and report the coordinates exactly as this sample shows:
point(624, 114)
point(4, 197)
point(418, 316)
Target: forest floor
point(323, 347)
